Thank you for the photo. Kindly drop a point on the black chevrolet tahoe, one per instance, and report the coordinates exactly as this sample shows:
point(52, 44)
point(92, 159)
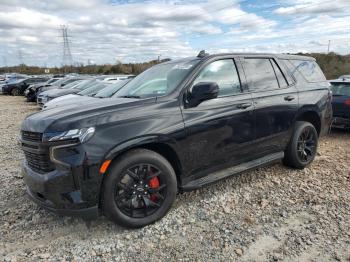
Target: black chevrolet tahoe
point(178, 126)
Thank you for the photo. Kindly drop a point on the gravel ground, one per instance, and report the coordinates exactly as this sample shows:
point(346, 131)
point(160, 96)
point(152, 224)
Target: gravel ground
point(271, 214)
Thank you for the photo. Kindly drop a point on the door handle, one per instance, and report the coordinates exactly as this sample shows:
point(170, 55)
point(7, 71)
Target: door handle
point(244, 106)
point(289, 98)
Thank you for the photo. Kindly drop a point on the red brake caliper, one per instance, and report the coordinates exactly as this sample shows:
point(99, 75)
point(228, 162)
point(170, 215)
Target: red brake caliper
point(153, 183)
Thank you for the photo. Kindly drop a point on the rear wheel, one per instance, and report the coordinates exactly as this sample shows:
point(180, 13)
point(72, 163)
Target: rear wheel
point(139, 188)
point(302, 147)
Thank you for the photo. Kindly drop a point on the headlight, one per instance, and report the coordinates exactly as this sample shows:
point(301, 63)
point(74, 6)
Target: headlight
point(81, 135)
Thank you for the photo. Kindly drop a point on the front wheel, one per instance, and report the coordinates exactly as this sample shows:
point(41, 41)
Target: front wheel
point(139, 189)
point(15, 92)
point(302, 147)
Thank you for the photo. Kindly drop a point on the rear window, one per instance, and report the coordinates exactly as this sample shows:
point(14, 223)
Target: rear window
point(339, 89)
point(309, 70)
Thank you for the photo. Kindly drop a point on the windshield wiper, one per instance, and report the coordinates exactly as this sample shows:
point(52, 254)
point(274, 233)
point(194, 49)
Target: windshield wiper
point(130, 96)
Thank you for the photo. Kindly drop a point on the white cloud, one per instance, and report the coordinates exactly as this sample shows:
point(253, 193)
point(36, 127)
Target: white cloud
point(26, 18)
point(139, 31)
point(314, 6)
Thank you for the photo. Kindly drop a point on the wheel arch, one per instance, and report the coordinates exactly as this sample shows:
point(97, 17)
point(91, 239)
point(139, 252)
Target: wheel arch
point(312, 116)
point(159, 144)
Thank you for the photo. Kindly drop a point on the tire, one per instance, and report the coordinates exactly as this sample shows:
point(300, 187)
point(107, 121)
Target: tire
point(15, 92)
point(302, 148)
point(118, 190)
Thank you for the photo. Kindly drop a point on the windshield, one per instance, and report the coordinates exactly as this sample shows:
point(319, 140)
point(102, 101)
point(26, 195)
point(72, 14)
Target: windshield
point(93, 89)
point(71, 84)
point(86, 84)
point(339, 89)
point(61, 81)
point(159, 80)
point(111, 89)
point(52, 80)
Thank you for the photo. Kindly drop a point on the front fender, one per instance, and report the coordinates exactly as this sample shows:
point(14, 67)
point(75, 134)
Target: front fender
point(139, 142)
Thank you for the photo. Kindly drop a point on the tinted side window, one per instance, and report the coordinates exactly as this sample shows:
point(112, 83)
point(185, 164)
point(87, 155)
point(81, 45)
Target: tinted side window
point(309, 69)
point(260, 74)
point(280, 77)
point(224, 73)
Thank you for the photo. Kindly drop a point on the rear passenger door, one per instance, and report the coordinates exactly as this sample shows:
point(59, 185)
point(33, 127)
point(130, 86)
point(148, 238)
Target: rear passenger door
point(275, 101)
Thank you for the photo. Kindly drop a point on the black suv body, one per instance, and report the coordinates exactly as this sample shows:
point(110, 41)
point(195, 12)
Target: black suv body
point(176, 127)
point(18, 88)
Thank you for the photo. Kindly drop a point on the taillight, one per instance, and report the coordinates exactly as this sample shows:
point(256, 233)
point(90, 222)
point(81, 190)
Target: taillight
point(347, 102)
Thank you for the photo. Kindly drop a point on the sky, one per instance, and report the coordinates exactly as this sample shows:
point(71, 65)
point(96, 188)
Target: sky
point(111, 31)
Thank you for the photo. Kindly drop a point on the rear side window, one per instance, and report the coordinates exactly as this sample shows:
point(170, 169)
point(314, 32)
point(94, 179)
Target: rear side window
point(260, 73)
point(224, 73)
point(309, 69)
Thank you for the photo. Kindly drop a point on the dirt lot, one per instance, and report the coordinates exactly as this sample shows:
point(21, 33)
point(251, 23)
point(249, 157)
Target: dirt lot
point(273, 214)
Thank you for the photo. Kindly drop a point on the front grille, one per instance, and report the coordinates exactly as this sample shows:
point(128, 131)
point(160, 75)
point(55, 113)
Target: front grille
point(32, 136)
point(36, 152)
point(39, 162)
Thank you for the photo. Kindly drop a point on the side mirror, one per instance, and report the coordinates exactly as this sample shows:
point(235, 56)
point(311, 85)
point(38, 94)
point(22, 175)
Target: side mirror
point(203, 91)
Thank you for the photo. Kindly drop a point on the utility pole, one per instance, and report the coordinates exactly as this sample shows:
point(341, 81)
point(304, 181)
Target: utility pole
point(159, 58)
point(329, 45)
point(67, 55)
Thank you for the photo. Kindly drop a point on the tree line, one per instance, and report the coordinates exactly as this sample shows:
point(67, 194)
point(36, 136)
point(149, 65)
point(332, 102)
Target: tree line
point(333, 65)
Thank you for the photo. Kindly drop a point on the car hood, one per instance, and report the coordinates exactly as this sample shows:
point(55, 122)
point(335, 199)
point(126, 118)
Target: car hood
point(48, 87)
point(36, 86)
point(86, 115)
point(70, 99)
point(59, 92)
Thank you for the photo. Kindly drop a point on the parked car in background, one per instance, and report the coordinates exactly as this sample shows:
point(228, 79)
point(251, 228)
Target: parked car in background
point(61, 83)
point(177, 126)
point(341, 102)
point(344, 77)
point(83, 87)
point(81, 98)
point(117, 78)
point(18, 87)
point(52, 93)
point(31, 92)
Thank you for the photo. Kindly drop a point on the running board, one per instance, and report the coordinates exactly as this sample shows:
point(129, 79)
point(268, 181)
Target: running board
point(233, 171)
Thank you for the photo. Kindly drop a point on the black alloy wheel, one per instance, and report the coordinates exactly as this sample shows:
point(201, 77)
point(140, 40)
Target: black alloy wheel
point(307, 144)
point(139, 188)
point(140, 191)
point(302, 147)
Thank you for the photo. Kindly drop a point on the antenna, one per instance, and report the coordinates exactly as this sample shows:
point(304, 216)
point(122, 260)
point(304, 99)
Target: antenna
point(67, 55)
point(202, 54)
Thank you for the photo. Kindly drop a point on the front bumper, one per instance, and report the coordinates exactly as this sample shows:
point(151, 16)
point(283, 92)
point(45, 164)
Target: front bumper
point(56, 192)
point(41, 100)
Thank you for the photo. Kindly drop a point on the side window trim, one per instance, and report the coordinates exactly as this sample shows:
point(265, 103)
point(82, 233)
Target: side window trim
point(273, 61)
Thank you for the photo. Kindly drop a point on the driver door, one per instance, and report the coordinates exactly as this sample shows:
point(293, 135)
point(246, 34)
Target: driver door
point(218, 131)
